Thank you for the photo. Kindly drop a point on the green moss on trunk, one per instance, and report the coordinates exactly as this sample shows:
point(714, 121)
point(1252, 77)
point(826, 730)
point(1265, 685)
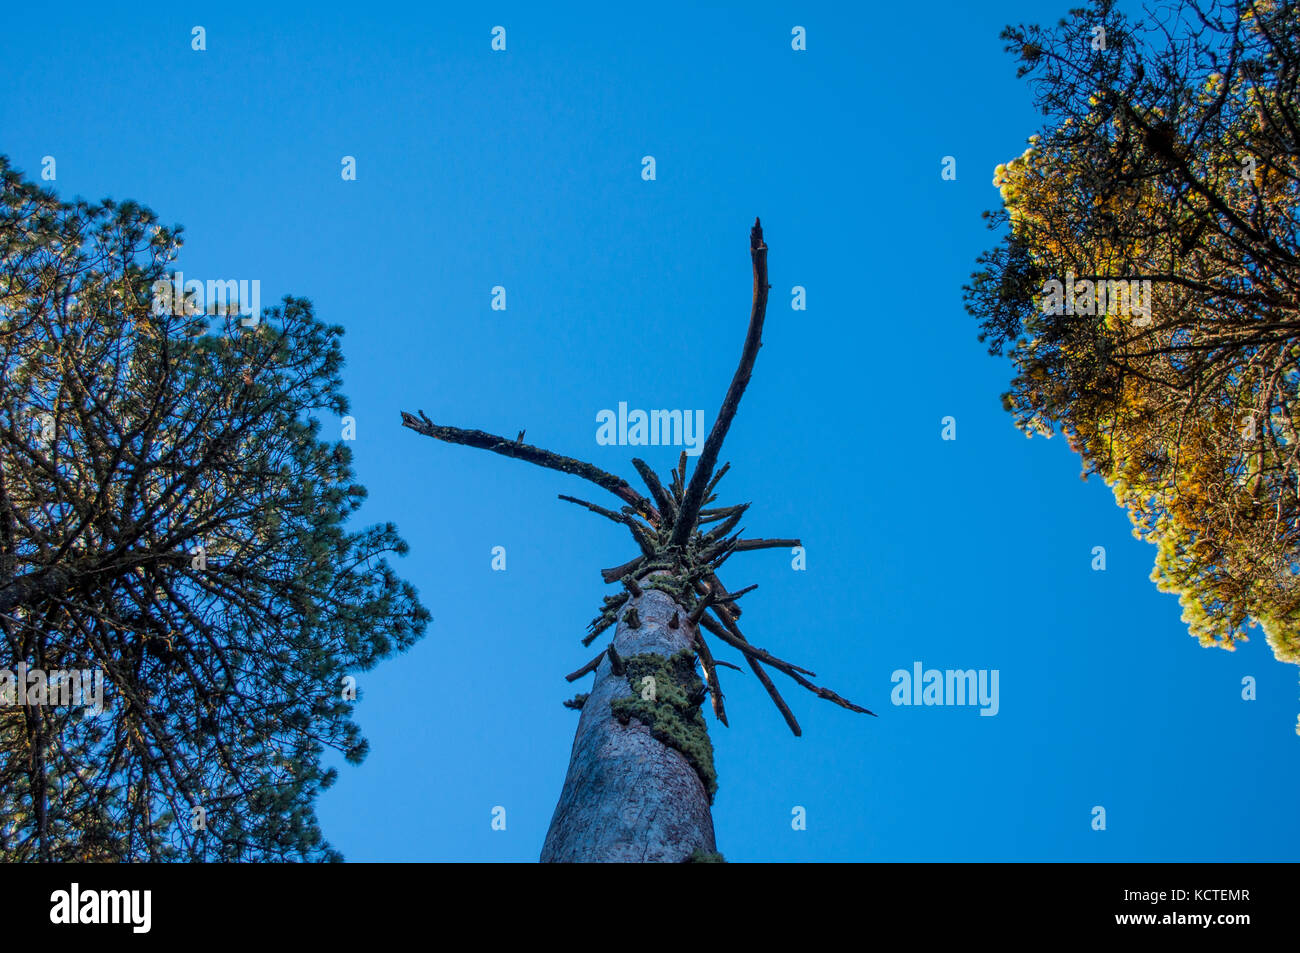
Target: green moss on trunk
point(702, 856)
point(666, 698)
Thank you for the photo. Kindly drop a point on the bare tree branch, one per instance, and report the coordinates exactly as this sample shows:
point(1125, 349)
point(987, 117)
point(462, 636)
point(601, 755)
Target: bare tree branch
point(695, 492)
point(530, 454)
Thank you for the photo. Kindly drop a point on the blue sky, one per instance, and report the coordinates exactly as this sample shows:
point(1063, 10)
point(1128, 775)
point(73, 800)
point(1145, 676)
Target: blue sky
point(522, 169)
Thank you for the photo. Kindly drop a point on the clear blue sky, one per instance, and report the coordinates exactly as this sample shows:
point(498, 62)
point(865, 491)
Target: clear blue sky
point(523, 169)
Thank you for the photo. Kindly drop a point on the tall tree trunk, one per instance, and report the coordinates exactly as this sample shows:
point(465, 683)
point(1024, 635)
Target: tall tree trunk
point(641, 775)
point(627, 795)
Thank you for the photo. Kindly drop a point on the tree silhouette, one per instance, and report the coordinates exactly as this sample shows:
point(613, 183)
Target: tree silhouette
point(170, 519)
point(640, 778)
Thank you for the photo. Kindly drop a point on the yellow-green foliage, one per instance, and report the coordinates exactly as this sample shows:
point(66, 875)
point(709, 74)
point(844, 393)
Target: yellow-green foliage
point(1187, 411)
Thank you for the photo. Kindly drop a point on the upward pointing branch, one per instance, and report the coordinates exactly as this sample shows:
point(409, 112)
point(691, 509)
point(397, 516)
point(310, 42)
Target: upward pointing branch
point(690, 508)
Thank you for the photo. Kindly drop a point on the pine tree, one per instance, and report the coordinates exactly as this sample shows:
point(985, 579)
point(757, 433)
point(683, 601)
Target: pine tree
point(170, 520)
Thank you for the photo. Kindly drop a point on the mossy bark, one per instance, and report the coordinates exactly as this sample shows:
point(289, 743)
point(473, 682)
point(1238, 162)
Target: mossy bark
point(628, 796)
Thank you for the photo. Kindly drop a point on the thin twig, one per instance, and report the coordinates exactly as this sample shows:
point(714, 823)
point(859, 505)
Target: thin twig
point(586, 669)
point(745, 545)
point(667, 508)
point(722, 471)
point(711, 676)
point(637, 530)
point(618, 572)
point(733, 596)
point(728, 632)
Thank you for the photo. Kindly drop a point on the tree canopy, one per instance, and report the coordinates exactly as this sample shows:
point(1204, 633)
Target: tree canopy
point(1169, 163)
point(170, 518)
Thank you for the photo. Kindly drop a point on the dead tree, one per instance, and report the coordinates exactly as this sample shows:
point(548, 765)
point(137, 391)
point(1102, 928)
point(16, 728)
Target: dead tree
point(641, 779)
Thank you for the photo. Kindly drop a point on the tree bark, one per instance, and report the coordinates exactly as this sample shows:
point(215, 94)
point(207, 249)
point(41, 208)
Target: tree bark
point(628, 797)
point(34, 586)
